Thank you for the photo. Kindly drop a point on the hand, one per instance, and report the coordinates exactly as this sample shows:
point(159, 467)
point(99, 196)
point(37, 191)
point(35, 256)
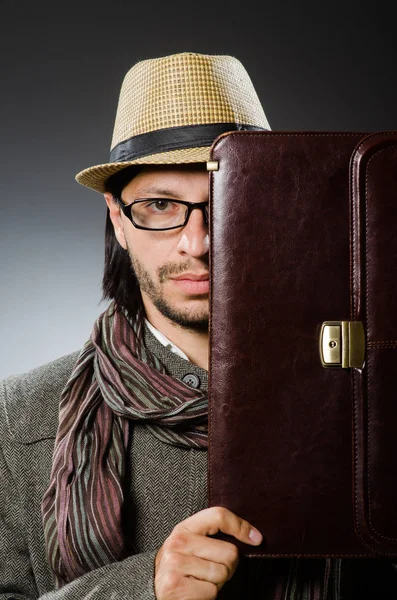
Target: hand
point(191, 566)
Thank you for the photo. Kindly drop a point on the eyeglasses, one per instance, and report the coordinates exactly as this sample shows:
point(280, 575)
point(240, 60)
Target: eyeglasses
point(161, 214)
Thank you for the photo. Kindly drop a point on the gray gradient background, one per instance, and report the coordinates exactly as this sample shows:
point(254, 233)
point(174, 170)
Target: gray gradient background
point(326, 67)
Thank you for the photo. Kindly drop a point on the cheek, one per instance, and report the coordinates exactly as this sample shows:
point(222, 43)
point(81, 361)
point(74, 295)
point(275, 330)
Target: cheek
point(152, 250)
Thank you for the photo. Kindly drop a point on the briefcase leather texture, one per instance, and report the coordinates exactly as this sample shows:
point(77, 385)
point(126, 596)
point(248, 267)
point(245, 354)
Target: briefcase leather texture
point(303, 230)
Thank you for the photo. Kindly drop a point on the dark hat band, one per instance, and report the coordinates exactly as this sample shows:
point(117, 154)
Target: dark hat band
point(173, 138)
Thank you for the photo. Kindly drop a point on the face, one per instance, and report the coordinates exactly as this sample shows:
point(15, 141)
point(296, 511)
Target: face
point(171, 266)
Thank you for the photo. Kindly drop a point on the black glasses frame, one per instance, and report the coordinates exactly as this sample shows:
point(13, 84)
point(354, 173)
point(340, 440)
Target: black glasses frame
point(127, 208)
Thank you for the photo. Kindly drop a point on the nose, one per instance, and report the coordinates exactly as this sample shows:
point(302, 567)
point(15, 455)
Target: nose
point(194, 239)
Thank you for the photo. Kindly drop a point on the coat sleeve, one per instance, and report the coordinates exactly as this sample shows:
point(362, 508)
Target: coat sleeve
point(132, 578)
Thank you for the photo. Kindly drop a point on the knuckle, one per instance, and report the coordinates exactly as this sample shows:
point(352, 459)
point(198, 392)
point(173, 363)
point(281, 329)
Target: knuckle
point(172, 561)
point(181, 588)
point(223, 573)
point(177, 540)
point(166, 548)
point(171, 582)
point(220, 513)
point(232, 556)
point(243, 527)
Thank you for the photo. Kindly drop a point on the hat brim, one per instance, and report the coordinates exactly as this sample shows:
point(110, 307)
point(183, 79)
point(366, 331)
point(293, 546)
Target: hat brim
point(95, 177)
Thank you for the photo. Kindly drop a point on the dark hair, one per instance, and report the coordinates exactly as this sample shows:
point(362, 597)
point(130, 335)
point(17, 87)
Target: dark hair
point(119, 282)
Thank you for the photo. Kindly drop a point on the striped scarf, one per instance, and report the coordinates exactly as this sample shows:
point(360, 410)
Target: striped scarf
point(114, 380)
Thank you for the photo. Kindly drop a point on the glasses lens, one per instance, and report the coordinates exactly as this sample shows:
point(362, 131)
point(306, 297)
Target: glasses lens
point(158, 213)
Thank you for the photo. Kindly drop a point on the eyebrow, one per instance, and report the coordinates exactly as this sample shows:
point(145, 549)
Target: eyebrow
point(160, 191)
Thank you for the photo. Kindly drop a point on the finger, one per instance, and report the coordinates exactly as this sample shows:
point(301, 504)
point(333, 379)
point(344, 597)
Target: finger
point(193, 544)
point(186, 587)
point(192, 566)
point(209, 549)
point(217, 518)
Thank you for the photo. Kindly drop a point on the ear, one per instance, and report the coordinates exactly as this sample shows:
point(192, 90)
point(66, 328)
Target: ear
point(116, 217)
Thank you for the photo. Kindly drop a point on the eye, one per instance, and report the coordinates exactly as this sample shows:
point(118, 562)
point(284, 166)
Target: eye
point(159, 205)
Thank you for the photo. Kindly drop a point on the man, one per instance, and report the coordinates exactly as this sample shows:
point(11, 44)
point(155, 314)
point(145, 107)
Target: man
point(103, 456)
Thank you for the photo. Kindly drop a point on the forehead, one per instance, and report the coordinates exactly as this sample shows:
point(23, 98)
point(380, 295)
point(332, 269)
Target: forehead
point(169, 180)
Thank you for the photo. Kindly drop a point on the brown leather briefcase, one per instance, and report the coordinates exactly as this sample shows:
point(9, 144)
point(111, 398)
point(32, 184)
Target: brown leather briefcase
point(303, 334)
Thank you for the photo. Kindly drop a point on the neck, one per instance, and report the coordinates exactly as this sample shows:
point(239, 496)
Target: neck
point(193, 343)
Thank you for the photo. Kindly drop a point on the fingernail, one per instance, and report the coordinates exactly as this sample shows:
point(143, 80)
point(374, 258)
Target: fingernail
point(255, 536)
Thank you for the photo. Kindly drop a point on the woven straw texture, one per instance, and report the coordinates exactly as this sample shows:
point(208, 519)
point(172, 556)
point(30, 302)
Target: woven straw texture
point(185, 89)
point(175, 91)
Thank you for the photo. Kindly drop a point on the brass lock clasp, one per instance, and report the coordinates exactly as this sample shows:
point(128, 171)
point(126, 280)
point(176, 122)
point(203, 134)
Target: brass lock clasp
point(212, 165)
point(342, 344)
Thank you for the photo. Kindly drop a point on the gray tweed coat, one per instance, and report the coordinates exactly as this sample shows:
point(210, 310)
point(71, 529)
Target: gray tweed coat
point(166, 485)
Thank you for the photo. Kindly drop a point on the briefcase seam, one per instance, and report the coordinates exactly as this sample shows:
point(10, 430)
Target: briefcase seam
point(370, 520)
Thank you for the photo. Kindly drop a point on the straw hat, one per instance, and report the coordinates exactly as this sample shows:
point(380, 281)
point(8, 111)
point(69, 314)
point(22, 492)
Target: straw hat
point(172, 108)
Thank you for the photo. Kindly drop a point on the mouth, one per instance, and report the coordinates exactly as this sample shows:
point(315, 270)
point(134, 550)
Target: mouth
point(192, 277)
point(190, 283)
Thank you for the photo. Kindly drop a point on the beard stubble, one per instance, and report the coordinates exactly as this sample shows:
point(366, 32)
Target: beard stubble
point(187, 319)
